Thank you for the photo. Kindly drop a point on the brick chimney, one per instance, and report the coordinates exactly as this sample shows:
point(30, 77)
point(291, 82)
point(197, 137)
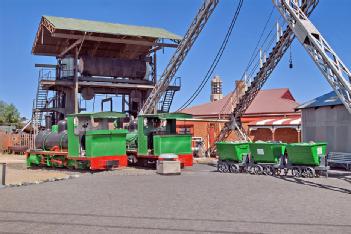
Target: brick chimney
point(240, 88)
point(216, 89)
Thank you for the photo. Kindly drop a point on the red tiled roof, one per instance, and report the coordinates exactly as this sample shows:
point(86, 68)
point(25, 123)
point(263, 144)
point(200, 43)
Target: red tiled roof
point(272, 101)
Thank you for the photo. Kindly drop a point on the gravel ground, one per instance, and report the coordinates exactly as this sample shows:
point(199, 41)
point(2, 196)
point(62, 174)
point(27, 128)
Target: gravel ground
point(200, 200)
point(17, 172)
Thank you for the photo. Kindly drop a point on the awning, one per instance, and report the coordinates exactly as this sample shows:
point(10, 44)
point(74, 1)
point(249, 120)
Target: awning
point(277, 122)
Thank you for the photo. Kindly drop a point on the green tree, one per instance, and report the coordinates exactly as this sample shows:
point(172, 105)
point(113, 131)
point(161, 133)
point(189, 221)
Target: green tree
point(9, 114)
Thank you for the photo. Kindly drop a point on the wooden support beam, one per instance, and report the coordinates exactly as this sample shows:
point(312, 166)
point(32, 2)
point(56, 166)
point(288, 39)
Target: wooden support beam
point(113, 40)
point(46, 65)
point(78, 41)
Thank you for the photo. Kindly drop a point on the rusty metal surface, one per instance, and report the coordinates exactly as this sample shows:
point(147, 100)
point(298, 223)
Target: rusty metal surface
point(94, 66)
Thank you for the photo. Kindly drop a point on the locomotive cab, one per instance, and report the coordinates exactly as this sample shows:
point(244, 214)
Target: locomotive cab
point(157, 134)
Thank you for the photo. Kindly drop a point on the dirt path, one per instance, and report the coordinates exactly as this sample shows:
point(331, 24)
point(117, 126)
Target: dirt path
point(17, 172)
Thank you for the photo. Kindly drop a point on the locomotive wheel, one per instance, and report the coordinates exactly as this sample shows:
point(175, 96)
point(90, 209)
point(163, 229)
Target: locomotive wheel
point(296, 172)
point(233, 168)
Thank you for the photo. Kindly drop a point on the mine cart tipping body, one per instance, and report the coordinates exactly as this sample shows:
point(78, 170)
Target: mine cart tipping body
point(233, 156)
point(94, 141)
point(307, 159)
point(266, 158)
point(157, 135)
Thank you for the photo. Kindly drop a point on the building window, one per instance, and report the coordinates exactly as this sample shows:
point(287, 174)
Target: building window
point(184, 131)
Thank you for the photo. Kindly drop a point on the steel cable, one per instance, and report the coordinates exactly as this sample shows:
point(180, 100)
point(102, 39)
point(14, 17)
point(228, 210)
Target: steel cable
point(216, 60)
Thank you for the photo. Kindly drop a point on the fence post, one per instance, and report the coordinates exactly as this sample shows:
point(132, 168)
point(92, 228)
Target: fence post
point(3, 174)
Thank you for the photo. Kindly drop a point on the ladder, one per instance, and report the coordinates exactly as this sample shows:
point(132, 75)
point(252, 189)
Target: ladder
point(166, 101)
point(40, 102)
point(178, 57)
point(234, 123)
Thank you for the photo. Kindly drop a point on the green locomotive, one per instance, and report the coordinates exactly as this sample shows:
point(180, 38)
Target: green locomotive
point(157, 135)
point(95, 141)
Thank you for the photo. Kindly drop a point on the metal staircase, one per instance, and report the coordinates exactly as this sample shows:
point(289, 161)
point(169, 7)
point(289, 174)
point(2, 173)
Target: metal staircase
point(261, 77)
point(41, 100)
point(166, 101)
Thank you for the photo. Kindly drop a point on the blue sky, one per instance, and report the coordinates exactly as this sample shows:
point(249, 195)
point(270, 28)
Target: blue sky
point(19, 20)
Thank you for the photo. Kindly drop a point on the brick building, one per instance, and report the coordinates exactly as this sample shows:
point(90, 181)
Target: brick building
point(271, 116)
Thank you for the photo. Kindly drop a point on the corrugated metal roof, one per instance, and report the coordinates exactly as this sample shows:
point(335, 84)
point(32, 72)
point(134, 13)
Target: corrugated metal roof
point(276, 122)
point(109, 28)
point(329, 99)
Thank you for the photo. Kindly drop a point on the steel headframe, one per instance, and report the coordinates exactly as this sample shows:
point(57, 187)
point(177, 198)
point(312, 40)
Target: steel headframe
point(178, 57)
point(259, 80)
point(328, 62)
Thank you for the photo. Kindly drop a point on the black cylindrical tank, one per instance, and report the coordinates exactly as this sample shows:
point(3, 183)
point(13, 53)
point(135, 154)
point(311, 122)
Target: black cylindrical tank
point(112, 67)
point(46, 140)
point(48, 121)
point(62, 125)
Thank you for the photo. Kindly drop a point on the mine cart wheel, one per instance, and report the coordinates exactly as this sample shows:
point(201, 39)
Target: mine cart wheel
point(233, 168)
point(222, 167)
point(296, 172)
point(310, 172)
point(258, 169)
point(286, 171)
point(270, 170)
point(277, 171)
point(317, 174)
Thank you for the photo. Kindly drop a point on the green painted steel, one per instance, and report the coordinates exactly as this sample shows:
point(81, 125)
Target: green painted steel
point(266, 152)
point(105, 143)
point(233, 151)
point(54, 128)
point(177, 116)
point(73, 140)
point(176, 144)
point(150, 129)
point(142, 137)
point(307, 154)
point(109, 28)
point(132, 140)
point(33, 159)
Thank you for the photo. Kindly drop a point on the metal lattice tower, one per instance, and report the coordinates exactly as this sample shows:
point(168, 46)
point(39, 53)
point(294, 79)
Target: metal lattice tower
point(261, 77)
point(178, 57)
point(328, 62)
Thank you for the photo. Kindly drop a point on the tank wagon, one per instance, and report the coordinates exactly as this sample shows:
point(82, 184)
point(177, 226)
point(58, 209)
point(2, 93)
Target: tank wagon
point(272, 158)
point(95, 141)
point(156, 135)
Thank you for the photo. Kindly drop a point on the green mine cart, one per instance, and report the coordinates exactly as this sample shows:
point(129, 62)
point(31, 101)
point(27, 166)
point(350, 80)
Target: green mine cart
point(232, 151)
point(266, 152)
point(306, 154)
point(231, 156)
point(307, 159)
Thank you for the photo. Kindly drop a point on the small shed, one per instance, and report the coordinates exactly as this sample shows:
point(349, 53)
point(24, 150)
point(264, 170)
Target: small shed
point(325, 118)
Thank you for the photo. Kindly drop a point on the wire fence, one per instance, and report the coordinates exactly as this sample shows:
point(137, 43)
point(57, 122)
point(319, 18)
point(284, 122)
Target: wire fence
point(16, 142)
